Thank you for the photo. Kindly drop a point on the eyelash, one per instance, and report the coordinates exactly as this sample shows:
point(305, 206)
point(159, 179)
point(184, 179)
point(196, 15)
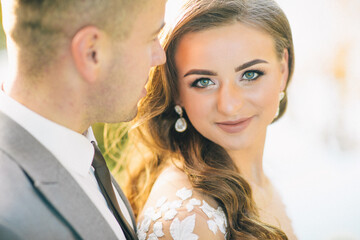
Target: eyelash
point(197, 81)
point(258, 72)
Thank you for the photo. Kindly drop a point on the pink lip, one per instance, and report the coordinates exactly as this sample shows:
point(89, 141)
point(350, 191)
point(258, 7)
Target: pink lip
point(234, 126)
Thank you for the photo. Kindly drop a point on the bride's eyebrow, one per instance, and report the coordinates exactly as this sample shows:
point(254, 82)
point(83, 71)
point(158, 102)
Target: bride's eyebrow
point(249, 64)
point(200, 72)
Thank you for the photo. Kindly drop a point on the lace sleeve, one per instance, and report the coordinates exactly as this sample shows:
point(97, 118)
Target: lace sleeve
point(186, 218)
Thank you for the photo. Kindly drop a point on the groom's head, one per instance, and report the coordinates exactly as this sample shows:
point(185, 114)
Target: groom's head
point(112, 42)
point(42, 28)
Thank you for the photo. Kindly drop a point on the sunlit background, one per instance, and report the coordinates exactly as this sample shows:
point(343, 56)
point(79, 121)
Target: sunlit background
point(313, 153)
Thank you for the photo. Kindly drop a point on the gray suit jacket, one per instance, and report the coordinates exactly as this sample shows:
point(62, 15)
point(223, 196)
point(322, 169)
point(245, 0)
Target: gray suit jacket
point(39, 198)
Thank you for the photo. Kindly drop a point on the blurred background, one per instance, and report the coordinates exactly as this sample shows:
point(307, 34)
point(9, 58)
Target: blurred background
point(313, 153)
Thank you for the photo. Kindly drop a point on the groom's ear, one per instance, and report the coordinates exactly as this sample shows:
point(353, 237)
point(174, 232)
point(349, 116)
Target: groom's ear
point(86, 51)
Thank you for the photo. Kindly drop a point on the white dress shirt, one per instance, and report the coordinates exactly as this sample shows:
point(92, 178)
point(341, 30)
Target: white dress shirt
point(73, 150)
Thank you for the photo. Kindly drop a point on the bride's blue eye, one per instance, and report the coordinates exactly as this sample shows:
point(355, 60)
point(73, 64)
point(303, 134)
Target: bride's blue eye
point(252, 75)
point(202, 83)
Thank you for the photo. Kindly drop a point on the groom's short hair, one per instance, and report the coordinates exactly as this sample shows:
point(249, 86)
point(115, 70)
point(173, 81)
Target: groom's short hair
point(39, 28)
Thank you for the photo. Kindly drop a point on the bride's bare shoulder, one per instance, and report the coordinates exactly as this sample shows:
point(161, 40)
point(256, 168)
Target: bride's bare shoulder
point(171, 177)
point(174, 210)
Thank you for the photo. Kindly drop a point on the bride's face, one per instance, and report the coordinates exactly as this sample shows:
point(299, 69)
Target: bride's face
point(229, 83)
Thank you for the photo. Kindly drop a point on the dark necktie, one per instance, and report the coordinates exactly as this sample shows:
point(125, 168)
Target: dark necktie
point(103, 178)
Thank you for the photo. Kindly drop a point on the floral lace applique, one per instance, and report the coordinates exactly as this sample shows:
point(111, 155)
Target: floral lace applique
point(179, 229)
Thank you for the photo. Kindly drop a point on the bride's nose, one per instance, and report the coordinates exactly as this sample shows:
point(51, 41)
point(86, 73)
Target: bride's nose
point(230, 99)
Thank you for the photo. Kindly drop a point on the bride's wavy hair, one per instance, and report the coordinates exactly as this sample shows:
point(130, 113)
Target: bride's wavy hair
point(208, 166)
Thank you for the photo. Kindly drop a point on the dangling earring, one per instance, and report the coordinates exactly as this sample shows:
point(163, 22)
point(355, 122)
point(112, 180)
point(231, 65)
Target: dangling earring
point(281, 97)
point(180, 125)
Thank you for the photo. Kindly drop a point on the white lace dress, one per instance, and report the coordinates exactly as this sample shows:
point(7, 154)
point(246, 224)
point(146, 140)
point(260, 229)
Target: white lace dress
point(174, 211)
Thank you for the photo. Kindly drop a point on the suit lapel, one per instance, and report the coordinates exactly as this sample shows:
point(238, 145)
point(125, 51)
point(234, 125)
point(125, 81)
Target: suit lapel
point(53, 182)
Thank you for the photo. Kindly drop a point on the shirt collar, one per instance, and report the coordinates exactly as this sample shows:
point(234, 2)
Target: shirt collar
point(73, 150)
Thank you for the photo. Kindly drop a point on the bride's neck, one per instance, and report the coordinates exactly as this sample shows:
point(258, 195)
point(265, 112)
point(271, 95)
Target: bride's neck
point(249, 161)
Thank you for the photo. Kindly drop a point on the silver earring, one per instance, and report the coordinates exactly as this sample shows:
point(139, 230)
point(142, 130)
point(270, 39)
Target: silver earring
point(180, 125)
point(281, 97)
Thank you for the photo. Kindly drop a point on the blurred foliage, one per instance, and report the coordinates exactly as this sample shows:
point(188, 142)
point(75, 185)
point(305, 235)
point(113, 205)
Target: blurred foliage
point(2, 34)
point(98, 129)
point(111, 139)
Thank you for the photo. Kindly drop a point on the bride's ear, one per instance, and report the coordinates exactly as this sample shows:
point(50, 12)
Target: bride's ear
point(284, 64)
point(178, 102)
